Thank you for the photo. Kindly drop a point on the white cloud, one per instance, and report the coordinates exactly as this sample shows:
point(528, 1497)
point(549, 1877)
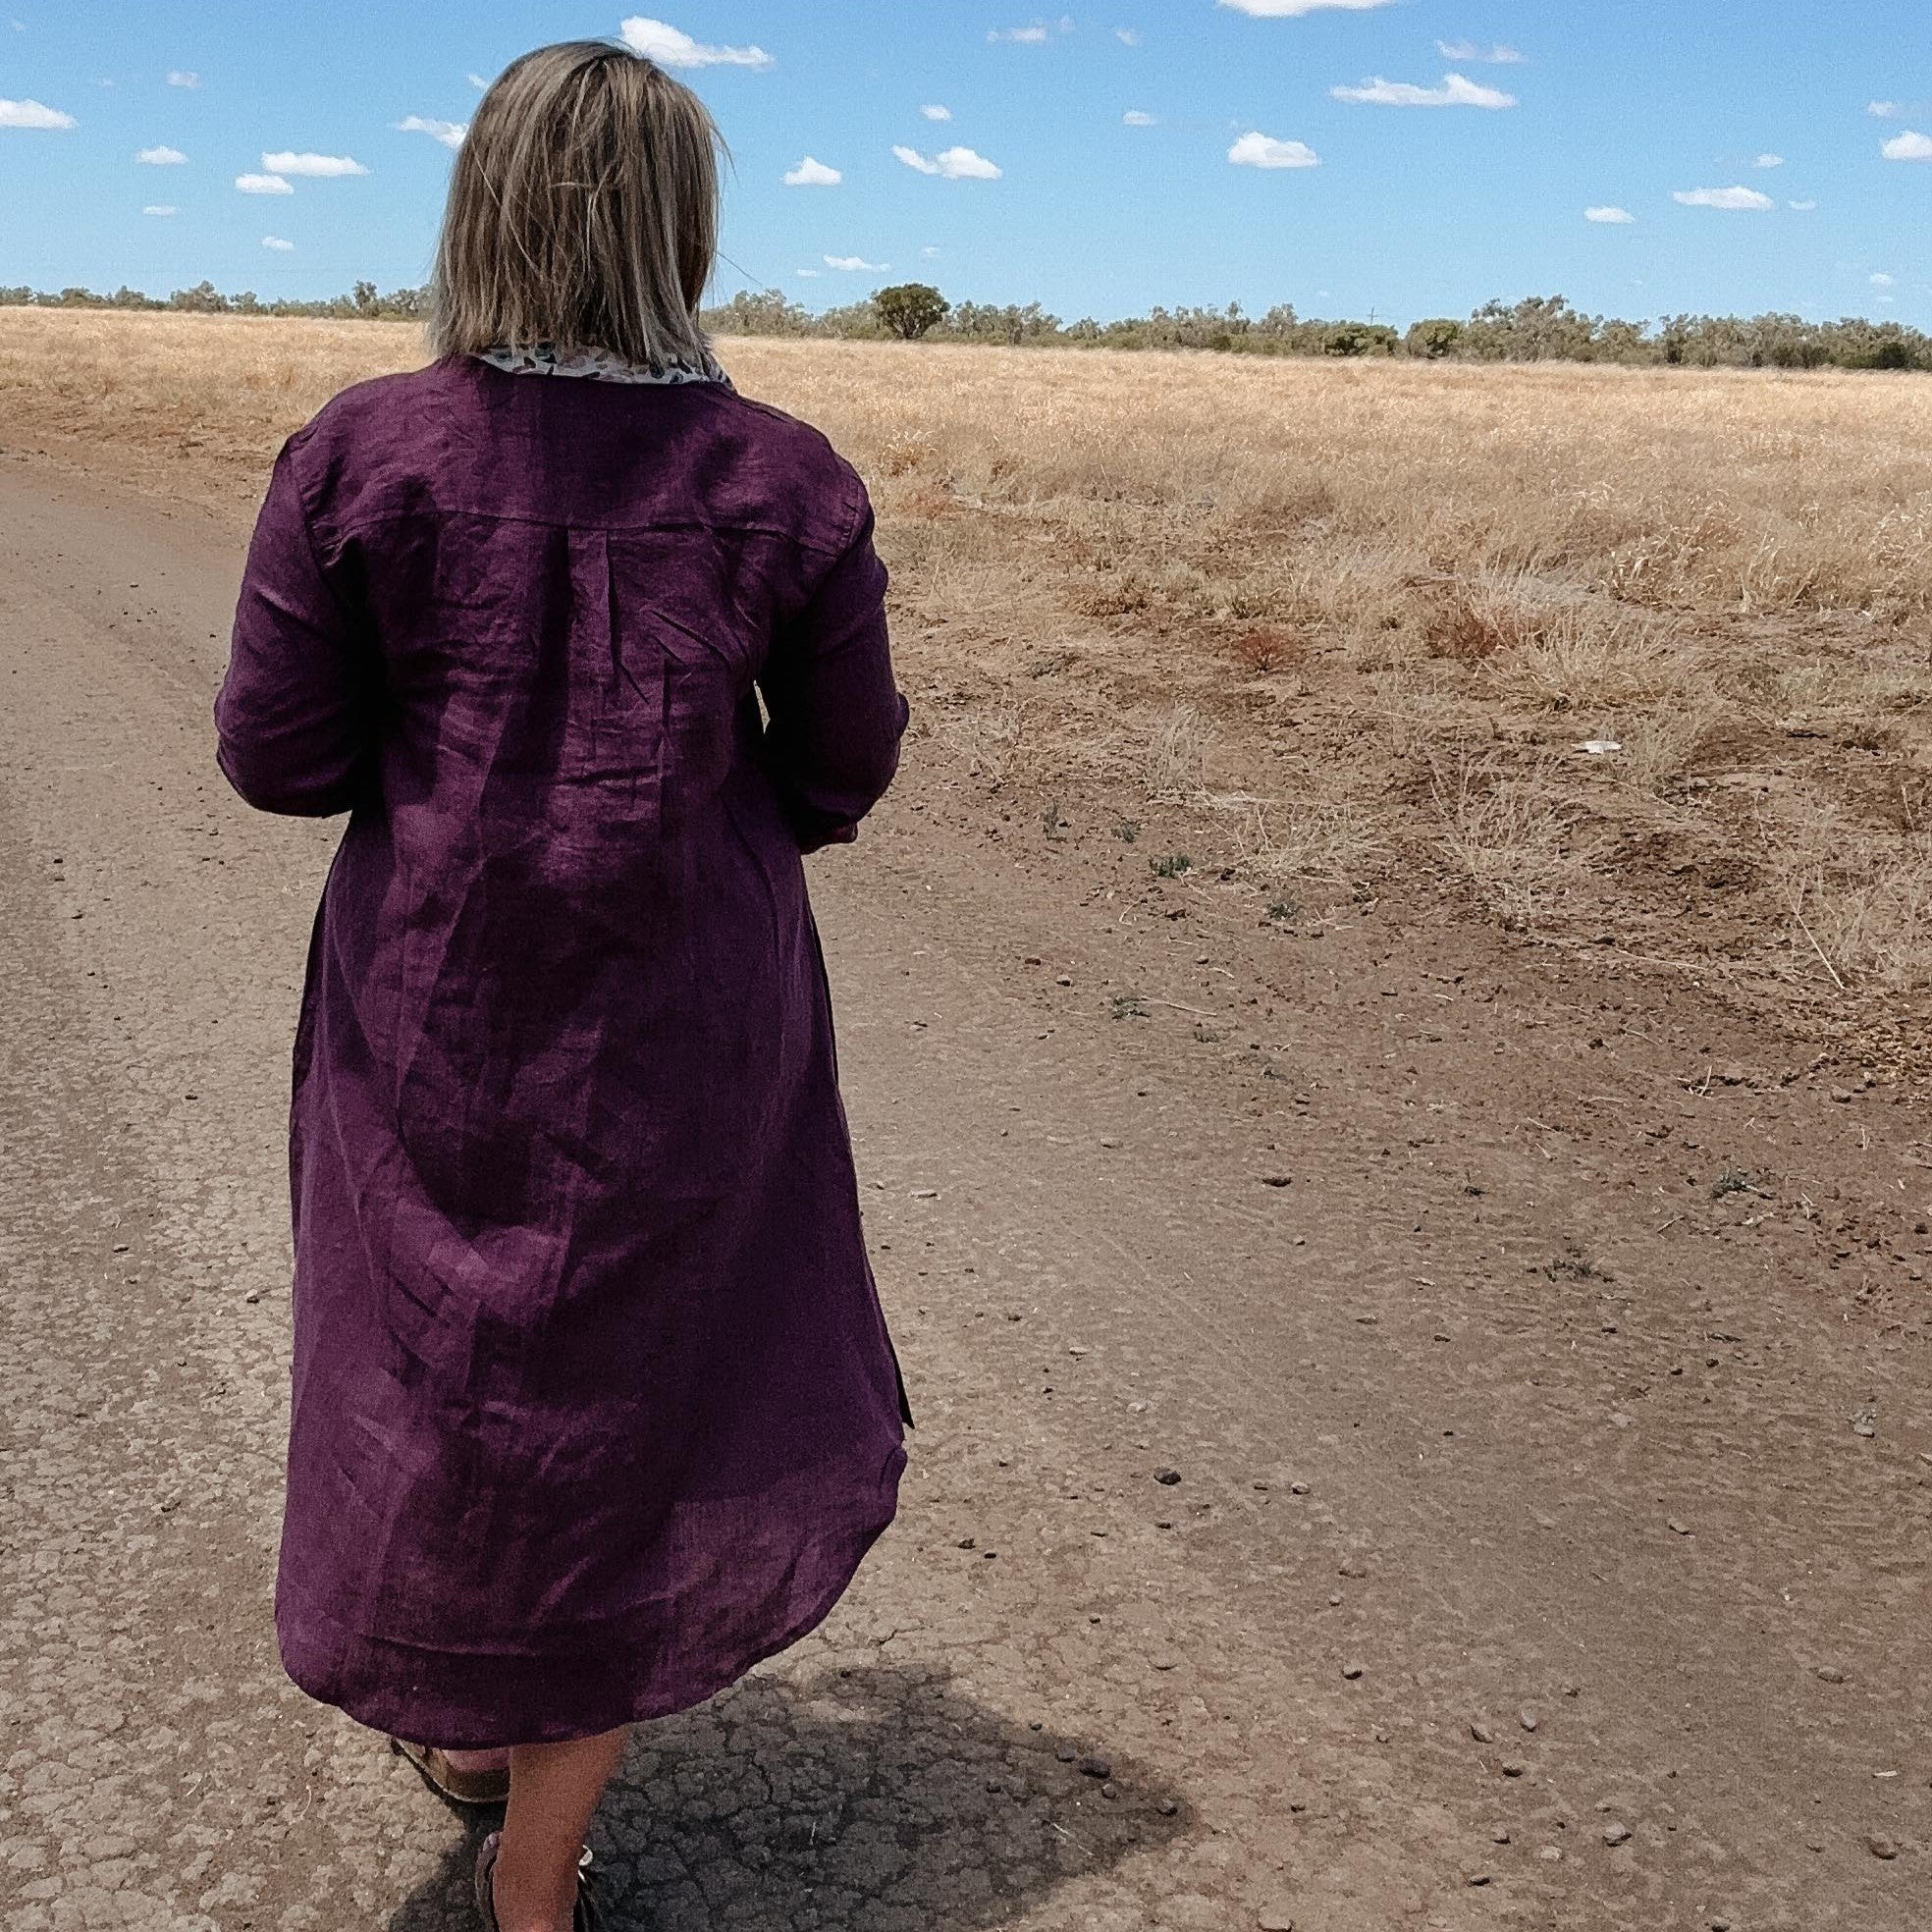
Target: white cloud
point(161, 208)
point(1128, 37)
point(1769, 161)
point(810, 273)
point(665, 45)
point(182, 77)
point(161, 158)
point(928, 252)
point(1469, 50)
point(1614, 216)
point(812, 174)
point(1134, 118)
point(262, 184)
point(1296, 9)
point(315, 167)
point(1881, 281)
point(852, 264)
point(1803, 208)
point(450, 132)
point(1885, 110)
point(477, 82)
point(1722, 197)
point(1456, 90)
point(1264, 152)
point(953, 163)
point(1910, 147)
point(275, 242)
point(33, 114)
point(1019, 36)
point(962, 163)
point(933, 111)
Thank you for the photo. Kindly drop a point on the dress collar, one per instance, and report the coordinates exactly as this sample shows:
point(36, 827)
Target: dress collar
point(545, 359)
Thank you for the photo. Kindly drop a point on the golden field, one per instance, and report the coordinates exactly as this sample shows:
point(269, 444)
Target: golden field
point(1335, 630)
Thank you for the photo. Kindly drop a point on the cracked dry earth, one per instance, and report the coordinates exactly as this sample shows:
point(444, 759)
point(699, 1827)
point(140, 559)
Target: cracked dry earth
point(1548, 1541)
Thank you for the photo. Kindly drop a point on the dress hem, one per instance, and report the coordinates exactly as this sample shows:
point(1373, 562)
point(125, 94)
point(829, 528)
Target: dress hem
point(540, 1699)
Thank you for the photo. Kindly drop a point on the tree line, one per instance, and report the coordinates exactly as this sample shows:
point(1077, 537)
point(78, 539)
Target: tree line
point(363, 304)
point(1540, 328)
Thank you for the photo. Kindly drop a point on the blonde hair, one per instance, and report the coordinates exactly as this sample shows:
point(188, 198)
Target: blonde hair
point(582, 211)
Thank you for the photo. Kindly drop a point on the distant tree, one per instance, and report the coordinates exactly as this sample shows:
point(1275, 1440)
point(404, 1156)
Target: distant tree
point(1624, 342)
point(769, 312)
point(1358, 339)
point(1432, 338)
point(201, 300)
point(364, 299)
point(857, 321)
point(1011, 324)
point(1536, 329)
point(1191, 328)
point(910, 309)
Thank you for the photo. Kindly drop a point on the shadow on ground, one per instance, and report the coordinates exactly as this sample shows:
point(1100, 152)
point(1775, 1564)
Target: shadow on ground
point(866, 1800)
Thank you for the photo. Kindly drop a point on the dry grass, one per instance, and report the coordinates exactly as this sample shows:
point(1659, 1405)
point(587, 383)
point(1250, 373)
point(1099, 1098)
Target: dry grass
point(1504, 828)
point(1374, 607)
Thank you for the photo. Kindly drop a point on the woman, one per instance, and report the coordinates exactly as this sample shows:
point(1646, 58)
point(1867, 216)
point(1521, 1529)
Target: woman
point(593, 1403)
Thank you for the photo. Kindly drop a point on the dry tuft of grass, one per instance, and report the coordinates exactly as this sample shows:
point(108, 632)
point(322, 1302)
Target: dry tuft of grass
point(1174, 769)
point(1337, 842)
point(1505, 830)
point(1356, 618)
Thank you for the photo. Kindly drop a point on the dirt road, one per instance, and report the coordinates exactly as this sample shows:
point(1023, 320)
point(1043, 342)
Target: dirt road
point(1412, 1432)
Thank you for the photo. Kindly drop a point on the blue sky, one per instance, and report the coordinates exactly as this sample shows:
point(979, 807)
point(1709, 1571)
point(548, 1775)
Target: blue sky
point(1396, 181)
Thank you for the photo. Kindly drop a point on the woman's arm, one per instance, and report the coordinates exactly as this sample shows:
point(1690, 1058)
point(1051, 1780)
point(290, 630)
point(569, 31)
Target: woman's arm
point(835, 714)
point(295, 719)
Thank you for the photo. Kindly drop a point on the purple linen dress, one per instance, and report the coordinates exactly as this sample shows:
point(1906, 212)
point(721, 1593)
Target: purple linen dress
point(594, 1405)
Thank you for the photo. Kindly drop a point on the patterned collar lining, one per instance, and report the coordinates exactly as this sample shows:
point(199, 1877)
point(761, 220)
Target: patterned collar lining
point(545, 359)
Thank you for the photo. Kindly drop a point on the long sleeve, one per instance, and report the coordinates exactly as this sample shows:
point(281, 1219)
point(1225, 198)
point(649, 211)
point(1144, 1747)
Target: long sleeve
point(837, 715)
point(294, 718)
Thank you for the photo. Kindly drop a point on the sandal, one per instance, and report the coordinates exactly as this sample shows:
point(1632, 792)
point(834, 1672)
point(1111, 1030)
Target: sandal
point(585, 1919)
point(476, 1787)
